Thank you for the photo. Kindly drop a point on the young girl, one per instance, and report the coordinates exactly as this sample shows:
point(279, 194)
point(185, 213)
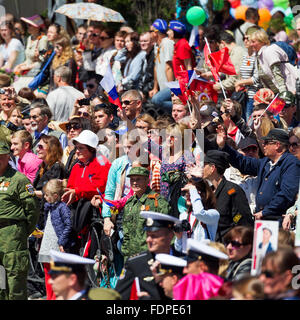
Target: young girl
point(57, 232)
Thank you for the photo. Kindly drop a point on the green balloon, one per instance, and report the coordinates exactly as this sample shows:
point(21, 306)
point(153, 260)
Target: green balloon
point(195, 16)
point(281, 3)
point(218, 5)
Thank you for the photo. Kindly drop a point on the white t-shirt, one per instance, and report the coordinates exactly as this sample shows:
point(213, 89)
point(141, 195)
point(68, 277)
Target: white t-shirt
point(14, 45)
point(61, 102)
point(163, 53)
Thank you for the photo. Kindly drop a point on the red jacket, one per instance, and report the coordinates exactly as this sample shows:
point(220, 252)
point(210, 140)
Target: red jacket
point(85, 179)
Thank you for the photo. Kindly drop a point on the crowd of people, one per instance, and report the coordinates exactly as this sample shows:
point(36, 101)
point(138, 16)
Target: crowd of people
point(177, 183)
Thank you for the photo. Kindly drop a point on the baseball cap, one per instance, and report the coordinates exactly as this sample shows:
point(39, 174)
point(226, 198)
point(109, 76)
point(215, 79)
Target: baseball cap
point(177, 26)
point(161, 25)
point(247, 142)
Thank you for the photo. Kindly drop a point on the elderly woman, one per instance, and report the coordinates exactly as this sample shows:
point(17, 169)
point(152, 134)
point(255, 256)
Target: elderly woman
point(89, 174)
point(274, 71)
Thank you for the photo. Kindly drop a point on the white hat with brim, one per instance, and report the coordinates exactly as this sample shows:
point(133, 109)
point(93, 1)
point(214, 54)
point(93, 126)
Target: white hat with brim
point(88, 138)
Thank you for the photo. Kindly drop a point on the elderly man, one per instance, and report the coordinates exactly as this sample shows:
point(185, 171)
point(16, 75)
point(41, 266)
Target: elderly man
point(277, 173)
point(143, 199)
point(19, 212)
point(40, 116)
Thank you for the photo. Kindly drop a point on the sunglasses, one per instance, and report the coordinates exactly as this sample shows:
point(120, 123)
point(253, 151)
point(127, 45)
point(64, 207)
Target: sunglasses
point(234, 244)
point(95, 34)
point(40, 147)
point(83, 114)
point(294, 144)
point(268, 274)
point(90, 86)
point(74, 126)
point(245, 38)
point(128, 102)
point(103, 38)
point(266, 142)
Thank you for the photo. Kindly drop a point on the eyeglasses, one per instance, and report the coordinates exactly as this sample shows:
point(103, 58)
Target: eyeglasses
point(295, 144)
point(266, 142)
point(128, 102)
point(83, 114)
point(268, 274)
point(40, 147)
point(234, 244)
point(74, 126)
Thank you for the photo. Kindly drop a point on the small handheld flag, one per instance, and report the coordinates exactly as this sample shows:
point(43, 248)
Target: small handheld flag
point(108, 84)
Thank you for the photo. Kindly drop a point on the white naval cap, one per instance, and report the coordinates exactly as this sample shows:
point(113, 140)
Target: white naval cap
point(156, 220)
point(67, 262)
point(170, 264)
point(199, 249)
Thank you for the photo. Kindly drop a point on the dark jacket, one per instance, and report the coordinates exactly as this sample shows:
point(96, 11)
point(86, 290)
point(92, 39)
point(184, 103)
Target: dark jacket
point(277, 188)
point(233, 207)
point(239, 269)
point(61, 221)
point(139, 266)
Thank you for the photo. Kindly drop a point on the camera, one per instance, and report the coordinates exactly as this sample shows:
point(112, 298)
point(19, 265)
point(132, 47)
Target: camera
point(183, 226)
point(84, 102)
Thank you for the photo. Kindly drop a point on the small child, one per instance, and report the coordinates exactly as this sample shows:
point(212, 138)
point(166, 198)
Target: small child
point(58, 227)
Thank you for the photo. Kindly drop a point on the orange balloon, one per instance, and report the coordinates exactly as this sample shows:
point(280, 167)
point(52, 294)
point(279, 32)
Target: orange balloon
point(264, 15)
point(240, 12)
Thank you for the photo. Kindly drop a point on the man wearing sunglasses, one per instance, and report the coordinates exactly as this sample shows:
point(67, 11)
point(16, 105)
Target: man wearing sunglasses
point(132, 105)
point(277, 173)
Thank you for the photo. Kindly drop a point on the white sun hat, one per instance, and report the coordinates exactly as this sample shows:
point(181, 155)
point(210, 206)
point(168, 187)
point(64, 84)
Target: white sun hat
point(88, 138)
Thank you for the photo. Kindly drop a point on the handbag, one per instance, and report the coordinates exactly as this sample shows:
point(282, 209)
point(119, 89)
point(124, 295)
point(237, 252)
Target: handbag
point(39, 78)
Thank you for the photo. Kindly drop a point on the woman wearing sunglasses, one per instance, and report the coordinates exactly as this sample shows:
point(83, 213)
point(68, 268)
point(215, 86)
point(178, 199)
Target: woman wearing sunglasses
point(279, 271)
point(73, 128)
point(238, 242)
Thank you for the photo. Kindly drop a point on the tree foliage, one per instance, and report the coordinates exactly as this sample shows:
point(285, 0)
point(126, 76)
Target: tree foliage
point(140, 14)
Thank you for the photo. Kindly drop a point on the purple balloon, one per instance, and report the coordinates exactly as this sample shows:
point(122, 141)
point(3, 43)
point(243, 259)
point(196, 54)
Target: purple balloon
point(266, 4)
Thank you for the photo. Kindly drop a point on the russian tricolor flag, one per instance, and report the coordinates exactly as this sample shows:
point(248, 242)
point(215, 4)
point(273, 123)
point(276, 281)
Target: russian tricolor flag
point(108, 84)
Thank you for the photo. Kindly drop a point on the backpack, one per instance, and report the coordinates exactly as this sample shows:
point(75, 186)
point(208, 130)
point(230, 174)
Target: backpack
point(290, 51)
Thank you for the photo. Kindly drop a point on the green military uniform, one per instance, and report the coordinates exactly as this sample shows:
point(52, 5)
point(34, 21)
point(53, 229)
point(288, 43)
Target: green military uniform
point(19, 213)
point(134, 235)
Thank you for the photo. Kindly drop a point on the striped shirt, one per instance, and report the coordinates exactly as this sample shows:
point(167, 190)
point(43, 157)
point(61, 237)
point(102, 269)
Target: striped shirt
point(247, 70)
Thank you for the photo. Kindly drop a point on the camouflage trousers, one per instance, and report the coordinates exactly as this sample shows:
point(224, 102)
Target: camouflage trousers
point(14, 257)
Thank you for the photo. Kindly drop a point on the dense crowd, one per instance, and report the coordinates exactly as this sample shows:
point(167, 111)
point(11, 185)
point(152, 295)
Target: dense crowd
point(159, 194)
